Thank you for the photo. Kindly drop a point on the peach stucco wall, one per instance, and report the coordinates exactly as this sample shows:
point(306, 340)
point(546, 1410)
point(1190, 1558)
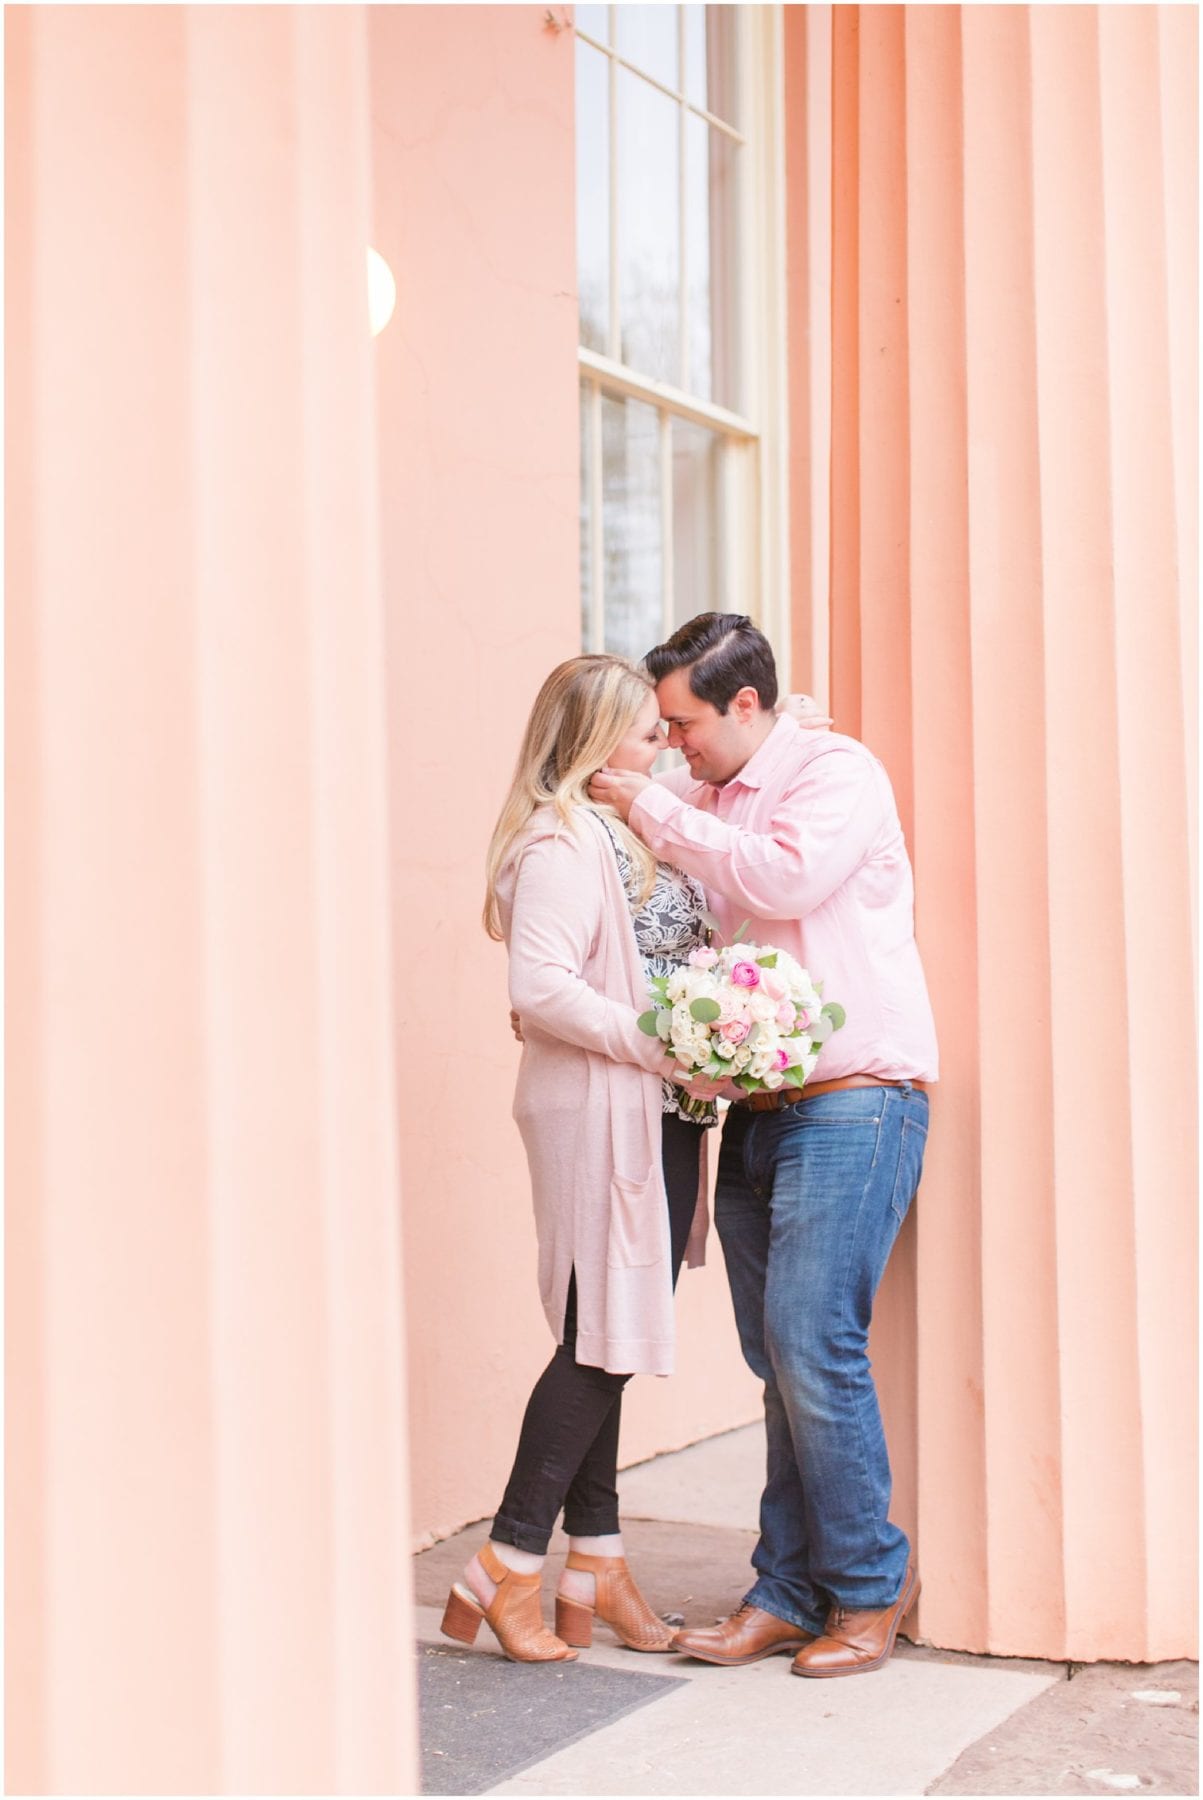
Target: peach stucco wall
point(206, 1504)
point(278, 600)
point(1011, 625)
point(477, 396)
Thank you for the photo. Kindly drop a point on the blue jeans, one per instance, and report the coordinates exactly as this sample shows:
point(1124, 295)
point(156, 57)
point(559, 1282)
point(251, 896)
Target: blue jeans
point(808, 1203)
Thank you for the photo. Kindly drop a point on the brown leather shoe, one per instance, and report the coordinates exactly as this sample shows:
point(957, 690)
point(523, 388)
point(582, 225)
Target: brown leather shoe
point(855, 1642)
point(747, 1636)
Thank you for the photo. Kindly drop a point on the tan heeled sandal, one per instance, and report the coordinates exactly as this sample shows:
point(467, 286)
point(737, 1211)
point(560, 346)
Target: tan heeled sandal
point(514, 1615)
point(617, 1602)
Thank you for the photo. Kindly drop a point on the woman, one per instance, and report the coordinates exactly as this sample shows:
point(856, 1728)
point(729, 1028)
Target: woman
point(614, 1151)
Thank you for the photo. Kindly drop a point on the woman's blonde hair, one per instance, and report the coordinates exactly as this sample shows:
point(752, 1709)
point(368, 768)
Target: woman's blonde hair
point(583, 711)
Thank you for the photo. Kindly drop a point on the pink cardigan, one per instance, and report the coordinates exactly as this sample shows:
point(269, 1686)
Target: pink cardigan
point(587, 1101)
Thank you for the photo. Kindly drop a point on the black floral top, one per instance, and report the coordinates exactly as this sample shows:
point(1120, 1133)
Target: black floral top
point(668, 925)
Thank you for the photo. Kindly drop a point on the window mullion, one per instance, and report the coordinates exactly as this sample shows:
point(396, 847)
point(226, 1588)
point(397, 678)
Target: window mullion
point(615, 331)
point(666, 524)
point(597, 560)
point(682, 212)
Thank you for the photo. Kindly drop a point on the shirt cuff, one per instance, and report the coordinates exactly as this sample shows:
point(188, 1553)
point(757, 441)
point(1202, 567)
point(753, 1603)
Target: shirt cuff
point(652, 809)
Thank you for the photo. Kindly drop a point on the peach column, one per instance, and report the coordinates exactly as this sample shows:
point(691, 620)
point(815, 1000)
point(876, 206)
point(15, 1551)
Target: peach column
point(479, 433)
point(1014, 544)
point(206, 1504)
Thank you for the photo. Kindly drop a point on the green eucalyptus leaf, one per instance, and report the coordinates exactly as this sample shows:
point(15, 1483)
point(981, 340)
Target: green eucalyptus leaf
point(648, 1022)
point(705, 1011)
point(769, 961)
point(834, 1011)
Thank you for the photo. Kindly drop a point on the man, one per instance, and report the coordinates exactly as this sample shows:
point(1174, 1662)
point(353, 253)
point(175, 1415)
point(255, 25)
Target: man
point(797, 831)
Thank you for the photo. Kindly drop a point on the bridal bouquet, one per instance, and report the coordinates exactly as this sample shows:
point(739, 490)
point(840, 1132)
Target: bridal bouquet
point(747, 1013)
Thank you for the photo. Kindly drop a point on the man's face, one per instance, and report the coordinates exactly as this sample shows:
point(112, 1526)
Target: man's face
point(716, 745)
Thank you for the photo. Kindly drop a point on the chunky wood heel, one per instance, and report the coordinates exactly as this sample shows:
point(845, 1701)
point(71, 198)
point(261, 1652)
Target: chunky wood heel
point(461, 1616)
point(574, 1622)
point(617, 1602)
point(514, 1614)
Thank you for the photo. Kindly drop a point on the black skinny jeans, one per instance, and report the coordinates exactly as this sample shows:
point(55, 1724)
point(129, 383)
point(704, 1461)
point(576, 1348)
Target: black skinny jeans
point(568, 1447)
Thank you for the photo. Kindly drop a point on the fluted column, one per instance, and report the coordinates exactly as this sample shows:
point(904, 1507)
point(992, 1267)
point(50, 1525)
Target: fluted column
point(1014, 547)
point(207, 1509)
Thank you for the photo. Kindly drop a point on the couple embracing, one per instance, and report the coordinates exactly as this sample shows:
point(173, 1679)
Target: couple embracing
point(598, 880)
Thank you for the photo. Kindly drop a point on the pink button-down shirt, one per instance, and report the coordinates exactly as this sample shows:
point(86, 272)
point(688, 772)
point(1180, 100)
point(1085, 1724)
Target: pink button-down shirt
point(805, 842)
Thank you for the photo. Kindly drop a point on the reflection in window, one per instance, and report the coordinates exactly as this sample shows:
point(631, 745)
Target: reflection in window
point(698, 584)
point(649, 199)
point(632, 549)
point(593, 196)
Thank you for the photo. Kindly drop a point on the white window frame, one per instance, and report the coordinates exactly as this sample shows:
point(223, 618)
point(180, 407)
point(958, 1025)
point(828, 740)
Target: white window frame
point(758, 562)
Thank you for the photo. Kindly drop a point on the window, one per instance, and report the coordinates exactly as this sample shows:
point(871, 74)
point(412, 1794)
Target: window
point(679, 255)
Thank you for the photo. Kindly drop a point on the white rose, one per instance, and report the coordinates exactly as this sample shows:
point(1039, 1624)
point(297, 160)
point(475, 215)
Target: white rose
point(701, 984)
point(762, 1008)
point(678, 983)
point(762, 1061)
point(789, 967)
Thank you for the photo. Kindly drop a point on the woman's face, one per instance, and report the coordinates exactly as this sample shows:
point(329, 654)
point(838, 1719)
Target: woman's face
point(644, 741)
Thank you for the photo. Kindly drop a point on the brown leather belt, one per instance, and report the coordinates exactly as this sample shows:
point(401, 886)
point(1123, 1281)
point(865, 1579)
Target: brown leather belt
point(773, 1100)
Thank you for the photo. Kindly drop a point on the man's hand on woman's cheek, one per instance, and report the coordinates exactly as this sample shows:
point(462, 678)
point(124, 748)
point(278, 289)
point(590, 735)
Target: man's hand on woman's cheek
point(619, 788)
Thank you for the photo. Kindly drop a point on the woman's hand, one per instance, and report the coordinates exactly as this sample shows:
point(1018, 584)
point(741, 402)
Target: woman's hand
point(804, 711)
point(619, 788)
point(702, 1088)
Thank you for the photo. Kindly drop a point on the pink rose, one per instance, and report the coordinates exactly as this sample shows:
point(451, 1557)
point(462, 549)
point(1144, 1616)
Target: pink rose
point(803, 1019)
point(745, 974)
point(735, 1031)
point(773, 984)
point(702, 958)
point(783, 1059)
point(785, 1016)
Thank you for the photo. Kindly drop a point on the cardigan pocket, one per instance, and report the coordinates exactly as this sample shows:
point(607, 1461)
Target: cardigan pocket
point(634, 1210)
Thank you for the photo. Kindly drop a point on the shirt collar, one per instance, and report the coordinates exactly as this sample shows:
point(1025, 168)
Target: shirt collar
point(766, 757)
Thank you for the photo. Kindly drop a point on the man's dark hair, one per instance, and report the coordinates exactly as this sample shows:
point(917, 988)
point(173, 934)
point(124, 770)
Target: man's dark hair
point(723, 653)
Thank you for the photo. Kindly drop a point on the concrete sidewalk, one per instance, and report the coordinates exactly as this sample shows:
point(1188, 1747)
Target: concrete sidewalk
point(619, 1723)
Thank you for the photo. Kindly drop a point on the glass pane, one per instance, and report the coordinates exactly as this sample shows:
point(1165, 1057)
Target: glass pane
point(587, 525)
point(633, 553)
point(647, 37)
point(594, 20)
point(695, 54)
point(593, 196)
point(698, 526)
point(711, 235)
point(722, 63)
point(649, 241)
